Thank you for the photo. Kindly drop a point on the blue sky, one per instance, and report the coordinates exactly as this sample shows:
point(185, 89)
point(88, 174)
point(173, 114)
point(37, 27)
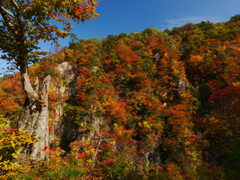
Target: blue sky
point(126, 16)
point(117, 16)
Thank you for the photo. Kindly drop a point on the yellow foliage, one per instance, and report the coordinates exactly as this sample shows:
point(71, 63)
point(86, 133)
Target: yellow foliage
point(11, 145)
point(236, 83)
point(146, 124)
point(196, 59)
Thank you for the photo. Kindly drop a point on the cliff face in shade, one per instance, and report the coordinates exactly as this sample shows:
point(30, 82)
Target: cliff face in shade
point(60, 86)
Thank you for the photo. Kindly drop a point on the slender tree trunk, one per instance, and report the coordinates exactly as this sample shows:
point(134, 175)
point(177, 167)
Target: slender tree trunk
point(34, 116)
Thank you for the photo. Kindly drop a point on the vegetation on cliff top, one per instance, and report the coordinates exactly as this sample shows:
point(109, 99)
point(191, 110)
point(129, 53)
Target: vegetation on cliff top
point(149, 105)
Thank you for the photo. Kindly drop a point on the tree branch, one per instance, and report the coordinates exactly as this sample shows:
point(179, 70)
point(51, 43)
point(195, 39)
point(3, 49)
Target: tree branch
point(6, 16)
point(101, 138)
point(14, 4)
point(7, 12)
point(96, 151)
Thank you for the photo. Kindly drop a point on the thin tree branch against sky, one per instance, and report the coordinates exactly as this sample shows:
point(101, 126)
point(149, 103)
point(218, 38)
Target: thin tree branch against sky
point(126, 16)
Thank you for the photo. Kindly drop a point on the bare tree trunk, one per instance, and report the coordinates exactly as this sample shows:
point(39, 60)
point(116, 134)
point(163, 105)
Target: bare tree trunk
point(34, 116)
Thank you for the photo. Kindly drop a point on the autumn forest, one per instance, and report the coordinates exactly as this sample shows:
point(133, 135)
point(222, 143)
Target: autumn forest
point(146, 105)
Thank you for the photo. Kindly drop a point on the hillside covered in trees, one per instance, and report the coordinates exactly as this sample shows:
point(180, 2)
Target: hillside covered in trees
point(148, 105)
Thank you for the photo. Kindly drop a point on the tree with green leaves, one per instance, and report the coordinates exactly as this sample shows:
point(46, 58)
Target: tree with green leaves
point(235, 18)
point(23, 23)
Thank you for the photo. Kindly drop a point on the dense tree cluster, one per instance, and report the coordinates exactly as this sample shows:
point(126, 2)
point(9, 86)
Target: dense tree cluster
point(148, 105)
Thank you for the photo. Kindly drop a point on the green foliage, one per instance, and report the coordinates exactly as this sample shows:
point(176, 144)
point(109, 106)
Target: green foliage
point(64, 172)
point(148, 105)
point(235, 18)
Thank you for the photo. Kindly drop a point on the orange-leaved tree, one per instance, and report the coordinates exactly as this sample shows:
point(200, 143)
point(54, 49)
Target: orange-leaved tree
point(23, 24)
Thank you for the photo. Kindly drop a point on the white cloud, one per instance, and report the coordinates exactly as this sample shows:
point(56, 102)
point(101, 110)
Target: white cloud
point(181, 21)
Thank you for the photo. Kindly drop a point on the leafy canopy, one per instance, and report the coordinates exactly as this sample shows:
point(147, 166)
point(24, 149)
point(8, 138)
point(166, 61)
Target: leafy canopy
point(235, 18)
point(23, 23)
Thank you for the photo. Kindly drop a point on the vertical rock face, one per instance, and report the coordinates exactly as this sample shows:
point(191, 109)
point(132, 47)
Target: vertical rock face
point(66, 70)
point(61, 125)
point(181, 85)
point(156, 57)
point(61, 86)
